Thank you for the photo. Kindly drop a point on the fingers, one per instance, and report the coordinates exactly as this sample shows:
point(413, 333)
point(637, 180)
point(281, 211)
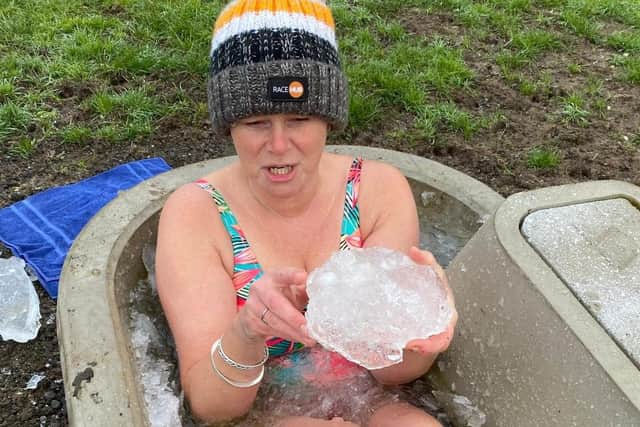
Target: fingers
point(426, 258)
point(299, 296)
point(440, 342)
point(285, 321)
point(434, 344)
point(284, 277)
point(275, 303)
point(422, 257)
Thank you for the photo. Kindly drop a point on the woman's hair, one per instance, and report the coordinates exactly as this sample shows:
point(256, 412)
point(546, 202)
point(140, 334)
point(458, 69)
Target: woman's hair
point(275, 56)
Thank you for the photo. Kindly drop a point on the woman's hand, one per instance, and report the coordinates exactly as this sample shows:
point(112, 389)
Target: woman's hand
point(440, 342)
point(274, 307)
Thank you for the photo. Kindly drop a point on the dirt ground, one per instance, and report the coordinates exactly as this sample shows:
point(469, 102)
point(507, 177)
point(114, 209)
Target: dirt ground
point(604, 149)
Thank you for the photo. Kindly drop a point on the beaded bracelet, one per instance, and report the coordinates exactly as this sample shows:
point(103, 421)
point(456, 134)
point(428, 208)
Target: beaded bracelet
point(247, 384)
point(229, 361)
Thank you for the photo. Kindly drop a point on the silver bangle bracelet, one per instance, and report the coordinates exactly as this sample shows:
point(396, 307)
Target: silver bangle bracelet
point(247, 384)
point(229, 361)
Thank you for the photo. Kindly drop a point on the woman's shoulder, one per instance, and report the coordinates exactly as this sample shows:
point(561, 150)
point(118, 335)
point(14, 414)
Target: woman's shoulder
point(187, 197)
point(383, 185)
point(373, 175)
point(376, 173)
point(192, 202)
point(199, 190)
point(189, 220)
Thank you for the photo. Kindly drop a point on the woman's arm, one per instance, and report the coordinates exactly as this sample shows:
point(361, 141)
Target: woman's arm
point(199, 301)
point(389, 219)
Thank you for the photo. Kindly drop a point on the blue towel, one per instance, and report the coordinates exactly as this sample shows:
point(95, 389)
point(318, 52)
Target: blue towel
point(41, 228)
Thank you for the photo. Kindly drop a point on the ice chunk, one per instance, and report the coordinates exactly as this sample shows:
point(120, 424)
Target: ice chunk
point(163, 406)
point(19, 303)
point(31, 273)
point(34, 381)
point(367, 304)
point(149, 261)
point(461, 410)
point(319, 384)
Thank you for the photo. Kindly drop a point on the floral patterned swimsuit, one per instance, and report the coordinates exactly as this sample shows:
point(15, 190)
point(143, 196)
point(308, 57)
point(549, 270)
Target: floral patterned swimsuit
point(247, 270)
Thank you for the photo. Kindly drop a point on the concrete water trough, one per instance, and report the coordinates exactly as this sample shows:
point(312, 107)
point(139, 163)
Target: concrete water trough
point(102, 380)
point(548, 293)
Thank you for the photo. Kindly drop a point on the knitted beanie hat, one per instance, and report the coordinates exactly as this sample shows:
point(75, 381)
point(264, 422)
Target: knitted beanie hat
point(275, 56)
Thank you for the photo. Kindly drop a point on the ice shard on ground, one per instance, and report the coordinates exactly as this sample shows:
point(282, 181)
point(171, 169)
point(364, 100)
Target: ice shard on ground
point(366, 304)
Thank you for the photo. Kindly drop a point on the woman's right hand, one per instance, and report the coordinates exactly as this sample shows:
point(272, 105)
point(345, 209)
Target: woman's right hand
point(274, 307)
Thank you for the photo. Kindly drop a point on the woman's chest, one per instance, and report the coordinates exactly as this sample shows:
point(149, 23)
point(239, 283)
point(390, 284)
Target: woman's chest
point(293, 245)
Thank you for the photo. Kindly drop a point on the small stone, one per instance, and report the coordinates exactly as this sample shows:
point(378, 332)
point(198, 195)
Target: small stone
point(49, 395)
point(55, 404)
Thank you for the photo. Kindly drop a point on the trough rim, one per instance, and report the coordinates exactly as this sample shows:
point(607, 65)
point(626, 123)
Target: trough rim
point(91, 264)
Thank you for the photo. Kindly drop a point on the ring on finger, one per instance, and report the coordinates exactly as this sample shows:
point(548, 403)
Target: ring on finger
point(264, 313)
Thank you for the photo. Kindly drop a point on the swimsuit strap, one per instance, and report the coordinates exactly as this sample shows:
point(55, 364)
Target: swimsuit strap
point(246, 268)
point(350, 236)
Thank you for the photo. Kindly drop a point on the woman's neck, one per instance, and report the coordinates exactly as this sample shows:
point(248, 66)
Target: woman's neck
point(298, 205)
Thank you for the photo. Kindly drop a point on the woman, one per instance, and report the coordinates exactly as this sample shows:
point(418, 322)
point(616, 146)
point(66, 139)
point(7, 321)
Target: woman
point(232, 284)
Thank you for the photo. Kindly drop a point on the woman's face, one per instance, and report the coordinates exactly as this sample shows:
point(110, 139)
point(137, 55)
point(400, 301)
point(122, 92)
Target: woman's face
point(280, 153)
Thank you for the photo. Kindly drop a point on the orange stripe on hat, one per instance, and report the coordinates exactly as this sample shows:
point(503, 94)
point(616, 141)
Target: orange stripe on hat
point(307, 7)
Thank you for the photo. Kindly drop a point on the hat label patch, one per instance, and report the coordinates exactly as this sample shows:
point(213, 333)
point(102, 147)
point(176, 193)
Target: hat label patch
point(287, 88)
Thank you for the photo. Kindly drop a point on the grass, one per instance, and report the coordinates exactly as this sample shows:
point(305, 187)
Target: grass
point(574, 68)
point(399, 73)
point(23, 148)
point(76, 135)
point(134, 57)
point(524, 48)
point(540, 86)
point(543, 158)
point(7, 90)
point(573, 110)
point(527, 87)
point(13, 118)
point(625, 41)
point(46, 43)
point(446, 116)
point(630, 66)
point(582, 25)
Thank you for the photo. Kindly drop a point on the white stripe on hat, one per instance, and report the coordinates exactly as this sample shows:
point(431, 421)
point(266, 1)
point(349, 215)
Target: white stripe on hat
point(274, 20)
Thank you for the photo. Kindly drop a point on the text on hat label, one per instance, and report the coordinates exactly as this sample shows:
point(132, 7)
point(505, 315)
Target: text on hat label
point(287, 88)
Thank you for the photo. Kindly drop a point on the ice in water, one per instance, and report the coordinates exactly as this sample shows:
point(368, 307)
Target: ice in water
point(460, 410)
point(316, 383)
point(322, 384)
point(446, 224)
point(163, 406)
point(366, 304)
point(154, 350)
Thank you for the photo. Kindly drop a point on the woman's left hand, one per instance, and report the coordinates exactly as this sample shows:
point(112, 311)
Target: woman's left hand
point(440, 342)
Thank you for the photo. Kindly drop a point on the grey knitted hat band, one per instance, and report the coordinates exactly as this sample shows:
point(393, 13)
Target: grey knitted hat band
point(266, 61)
point(241, 92)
